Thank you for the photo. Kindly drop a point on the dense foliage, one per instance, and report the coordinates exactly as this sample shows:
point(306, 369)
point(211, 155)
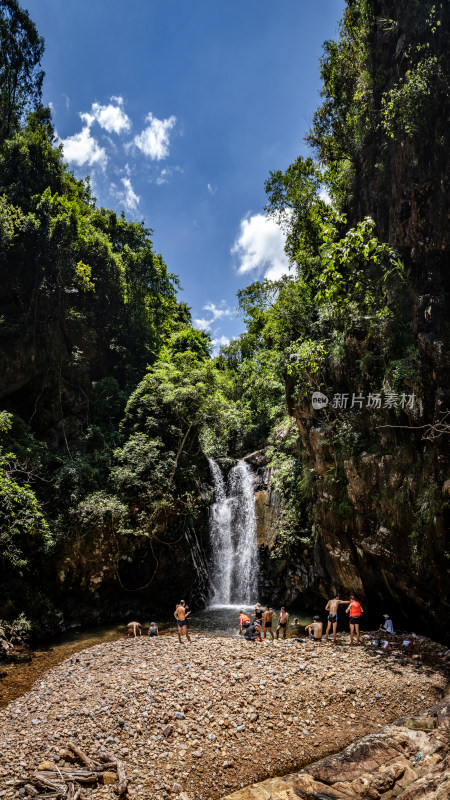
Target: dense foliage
point(117, 401)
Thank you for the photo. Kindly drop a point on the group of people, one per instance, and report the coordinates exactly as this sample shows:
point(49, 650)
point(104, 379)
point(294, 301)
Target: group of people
point(262, 623)
point(260, 626)
point(181, 614)
point(135, 629)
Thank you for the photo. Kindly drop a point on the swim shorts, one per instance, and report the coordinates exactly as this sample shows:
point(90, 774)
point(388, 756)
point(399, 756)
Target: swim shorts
point(332, 617)
point(354, 620)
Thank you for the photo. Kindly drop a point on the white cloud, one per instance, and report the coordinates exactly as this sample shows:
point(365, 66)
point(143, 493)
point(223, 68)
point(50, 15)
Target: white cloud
point(165, 175)
point(221, 342)
point(216, 312)
point(212, 189)
point(154, 140)
point(260, 248)
point(325, 196)
point(203, 324)
point(128, 197)
point(111, 117)
point(82, 149)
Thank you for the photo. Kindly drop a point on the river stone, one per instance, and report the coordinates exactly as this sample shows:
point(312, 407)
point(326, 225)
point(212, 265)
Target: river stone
point(46, 765)
point(108, 778)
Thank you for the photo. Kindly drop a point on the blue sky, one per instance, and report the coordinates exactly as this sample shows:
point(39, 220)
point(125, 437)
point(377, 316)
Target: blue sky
point(178, 111)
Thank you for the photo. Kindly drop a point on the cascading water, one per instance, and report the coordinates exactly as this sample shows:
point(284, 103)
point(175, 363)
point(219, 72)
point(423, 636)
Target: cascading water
point(234, 547)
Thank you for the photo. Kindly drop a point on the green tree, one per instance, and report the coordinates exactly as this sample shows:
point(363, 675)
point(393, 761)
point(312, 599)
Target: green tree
point(22, 522)
point(21, 50)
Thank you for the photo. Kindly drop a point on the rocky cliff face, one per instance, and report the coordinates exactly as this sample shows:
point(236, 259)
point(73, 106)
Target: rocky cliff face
point(381, 490)
point(352, 551)
point(100, 576)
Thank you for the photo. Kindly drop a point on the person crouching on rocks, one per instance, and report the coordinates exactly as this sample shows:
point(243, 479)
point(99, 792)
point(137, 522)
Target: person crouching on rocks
point(387, 626)
point(180, 615)
point(153, 629)
point(315, 629)
point(295, 630)
point(253, 632)
point(134, 628)
point(244, 621)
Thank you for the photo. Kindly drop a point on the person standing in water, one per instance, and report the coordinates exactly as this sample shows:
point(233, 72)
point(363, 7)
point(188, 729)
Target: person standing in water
point(180, 615)
point(354, 610)
point(332, 608)
point(267, 617)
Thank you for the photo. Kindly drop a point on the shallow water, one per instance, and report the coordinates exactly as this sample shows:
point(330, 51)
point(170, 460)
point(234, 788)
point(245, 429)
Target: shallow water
point(15, 679)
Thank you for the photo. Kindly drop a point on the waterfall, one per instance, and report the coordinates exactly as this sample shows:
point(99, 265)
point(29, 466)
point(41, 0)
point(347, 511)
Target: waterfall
point(234, 547)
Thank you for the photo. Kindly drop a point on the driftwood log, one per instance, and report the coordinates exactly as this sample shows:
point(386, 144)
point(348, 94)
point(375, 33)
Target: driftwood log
point(63, 783)
point(122, 782)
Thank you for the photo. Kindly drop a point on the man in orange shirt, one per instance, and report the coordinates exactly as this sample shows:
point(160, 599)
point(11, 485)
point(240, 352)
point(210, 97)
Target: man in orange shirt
point(354, 610)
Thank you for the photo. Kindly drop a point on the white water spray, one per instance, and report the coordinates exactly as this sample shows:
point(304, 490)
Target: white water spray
point(234, 556)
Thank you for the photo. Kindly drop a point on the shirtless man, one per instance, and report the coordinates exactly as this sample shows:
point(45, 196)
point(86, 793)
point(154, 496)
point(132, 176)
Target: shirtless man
point(134, 628)
point(180, 615)
point(267, 617)
point(283, 620)
point(315, 629)
point(332, 608)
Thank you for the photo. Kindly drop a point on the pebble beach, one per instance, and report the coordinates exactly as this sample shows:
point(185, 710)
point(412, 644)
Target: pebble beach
point(197, 721)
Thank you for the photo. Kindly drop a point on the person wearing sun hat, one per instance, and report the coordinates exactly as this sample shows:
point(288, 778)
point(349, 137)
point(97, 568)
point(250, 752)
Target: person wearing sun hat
point(387, 625)
point(258, 615)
